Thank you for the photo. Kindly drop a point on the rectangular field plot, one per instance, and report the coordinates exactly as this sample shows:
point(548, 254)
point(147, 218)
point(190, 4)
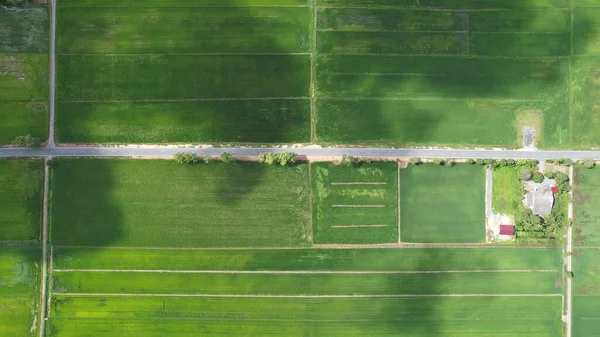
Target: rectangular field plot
point(183, 30)
point(441, 204)
point(277, 284)
point(21, 118)
point(178, 317)
point(19, 283)
point(586, 101)
point(355, 205)
point(317, 260)
point(20, 199)
point(248, 121)
point(586, 320)
point(586, 291)
point(153, 203)
point(109, 78)
point(24, 30)
point(586, 207)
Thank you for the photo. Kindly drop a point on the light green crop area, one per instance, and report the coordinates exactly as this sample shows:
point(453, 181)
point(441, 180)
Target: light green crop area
point(156, 203)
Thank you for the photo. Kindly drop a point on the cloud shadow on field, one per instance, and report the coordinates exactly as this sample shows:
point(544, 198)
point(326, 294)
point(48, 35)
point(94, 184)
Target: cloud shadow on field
point(396, 99)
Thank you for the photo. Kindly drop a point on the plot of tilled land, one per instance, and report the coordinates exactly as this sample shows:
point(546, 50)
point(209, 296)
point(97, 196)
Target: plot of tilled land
point(294, 292)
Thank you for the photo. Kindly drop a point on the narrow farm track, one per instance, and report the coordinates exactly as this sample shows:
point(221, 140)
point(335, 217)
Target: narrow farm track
point(299, 272)
point(301, 296)
point(44, 239)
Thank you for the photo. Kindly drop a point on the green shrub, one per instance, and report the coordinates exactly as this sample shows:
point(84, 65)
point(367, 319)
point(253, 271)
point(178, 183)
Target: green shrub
point(416, 161)
point(537, 177)
point(227, 157)
point(550, 175)
point(27, 141)
point(186, 158)
point(439, 161)
point(207, 159)
point(587, 163)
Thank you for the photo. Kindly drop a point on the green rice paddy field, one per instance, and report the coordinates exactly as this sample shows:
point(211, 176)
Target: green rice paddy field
point(20, 199)
point(586, 268)
point(24, 43)
point(442, 204)
point(369, 72)
point(355, 205)
point(98, 202)
point(321, 304)
point(19, 284)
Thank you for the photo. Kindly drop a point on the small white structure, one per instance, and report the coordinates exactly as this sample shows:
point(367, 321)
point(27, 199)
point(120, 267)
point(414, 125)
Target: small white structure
point(540, 200)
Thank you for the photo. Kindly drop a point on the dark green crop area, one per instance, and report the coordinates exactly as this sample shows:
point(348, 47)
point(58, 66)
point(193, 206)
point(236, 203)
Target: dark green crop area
point(376, 72)
point(20, 199)
point(19, 291)
point(442, 204)
point(586, 289)
point(408, 259)
point(24, 44)
point(192, 71)
point(154, 203)
point(355, 205)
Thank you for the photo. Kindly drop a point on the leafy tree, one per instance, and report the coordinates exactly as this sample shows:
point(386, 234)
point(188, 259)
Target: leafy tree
point(480, 162)
point(208, 159)
point(511, 162)
point(527, 175)
point(227, 157)
point(350, 161)
point(535, 219)
point(471, 161)
point(549, 175)
point(449, 163)
point(560, 177)
point(439, 161)
point(27, 141)
point(186, 158)
point(416, 161)
point(537, 177)
point(287, 158)
point(588, 163)
point(268, 158)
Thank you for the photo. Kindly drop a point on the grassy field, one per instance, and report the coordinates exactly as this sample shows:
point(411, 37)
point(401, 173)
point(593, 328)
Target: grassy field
point(355, 205)
point(20, 199)
point(441, 204)
point(586, 214)
point(24, 44)
point(585, 291)
point(409, 259)
point(19, 282)
point(462, 78)
point(155, 203)
point(297, 317)
point(507, 190)
point(274, 121)
point(586, 225)
point(378, 311)
point(228, 71)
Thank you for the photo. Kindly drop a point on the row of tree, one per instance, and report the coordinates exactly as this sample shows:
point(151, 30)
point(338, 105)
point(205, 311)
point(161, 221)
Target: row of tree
point(192, 158)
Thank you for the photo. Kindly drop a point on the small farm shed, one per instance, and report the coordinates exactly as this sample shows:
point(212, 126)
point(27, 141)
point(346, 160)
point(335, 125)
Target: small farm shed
point(507, 230)
point(540, 200)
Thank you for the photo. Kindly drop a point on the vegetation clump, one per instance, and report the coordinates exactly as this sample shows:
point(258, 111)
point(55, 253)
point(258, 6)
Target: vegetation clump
point(283, 159)
point(27, 141)
point(186, 158)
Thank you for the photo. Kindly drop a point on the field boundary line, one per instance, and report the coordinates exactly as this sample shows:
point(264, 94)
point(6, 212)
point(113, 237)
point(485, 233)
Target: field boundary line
point(570, 89)
point(44, 237)
point(51, 269)
point(313, 65)
point(435, 99)
point(190, 100)
point(357, 206)
point(203, 6)
point(396, 31)
point(302, 272)
point(320, 246)
point(406, 8)
point(398, 212)
point(462, 56)
point(360, 183)
point(182, 54)
point(303, 296)
point(310, 200)
point(359, 226)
